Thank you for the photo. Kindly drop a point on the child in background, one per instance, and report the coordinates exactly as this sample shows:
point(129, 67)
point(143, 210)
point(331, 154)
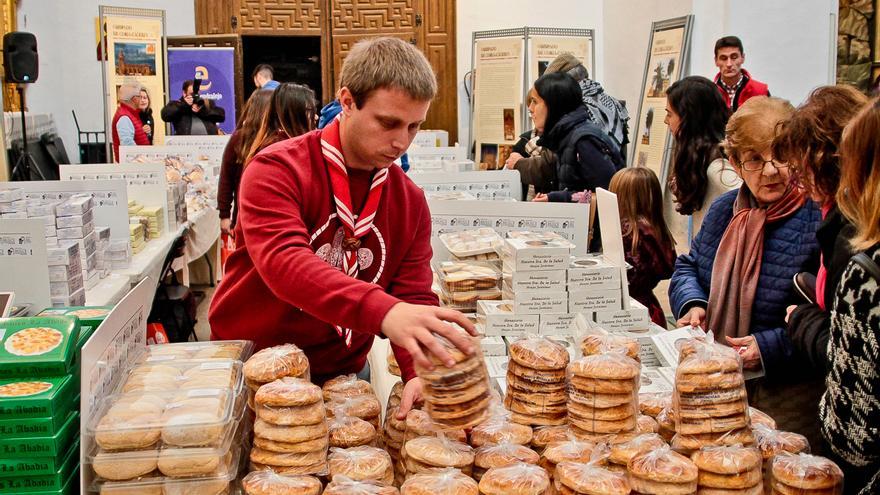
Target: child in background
point(647, 242)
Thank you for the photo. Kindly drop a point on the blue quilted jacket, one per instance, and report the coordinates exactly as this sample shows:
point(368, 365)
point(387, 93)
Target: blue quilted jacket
point(790, 247)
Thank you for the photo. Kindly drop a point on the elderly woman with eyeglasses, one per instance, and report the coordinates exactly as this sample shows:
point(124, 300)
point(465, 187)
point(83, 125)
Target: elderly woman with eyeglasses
point(737, 279)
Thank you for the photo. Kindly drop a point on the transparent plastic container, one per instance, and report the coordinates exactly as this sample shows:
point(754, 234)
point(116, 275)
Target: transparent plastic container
point(467, 301)
point(170, 376)
point(468, 276)
point(236, 350)
point(470, 243)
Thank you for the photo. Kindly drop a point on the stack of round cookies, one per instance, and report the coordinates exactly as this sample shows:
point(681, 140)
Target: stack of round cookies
point(349, 431)
point(772, 442)
point(273, 363)
point(536, 382)
point(361, 464)
point(365, 407)
point(516, 479)
point(500, 455)
point(572, 450)
point(759, 417)
point(425, 454)
point(592, 345)
point(710, 396)
point(290, 432)
point(729, 468)
point(393, 367)
point(271, 483)
point(418, 424)
point(392, 438)
point(545, 435)
point(440, 482)
point(575, 478)
point(805, 474)
point(342, 485)
point(603, 395)
point(647, 424)
point(499, 429)
point(395, 396)
point(662, 472)
point(622, 453)
point(457, 397)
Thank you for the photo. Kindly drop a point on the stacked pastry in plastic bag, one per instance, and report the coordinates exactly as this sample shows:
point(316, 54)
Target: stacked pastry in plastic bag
point(273, 363)
point(536, 392)
point(440, 482)
point(418, 426)
point(353, 412)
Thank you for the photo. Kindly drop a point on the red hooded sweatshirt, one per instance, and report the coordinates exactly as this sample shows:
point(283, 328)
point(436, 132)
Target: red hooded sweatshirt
point(283, 283)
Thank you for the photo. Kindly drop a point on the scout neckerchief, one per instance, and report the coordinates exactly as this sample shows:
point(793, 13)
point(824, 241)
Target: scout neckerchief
point(355, 227)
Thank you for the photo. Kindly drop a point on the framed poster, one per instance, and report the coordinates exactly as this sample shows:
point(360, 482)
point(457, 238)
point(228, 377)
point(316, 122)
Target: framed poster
point(497, 104)
point(215, 66)
point(668, 48)
point(545, 44)
point(134, 42)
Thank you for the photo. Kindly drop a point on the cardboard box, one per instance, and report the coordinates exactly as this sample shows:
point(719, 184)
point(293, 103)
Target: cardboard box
point(536, 280)
point(10, 194)
point(647, 351)
point(53, 397)
point(67, 287)
point(14, 206)
point(48, 446)
point(77, 232)
point(557, 324)
point(75, 220)
point(498, 318)
point(538, 301)
point(76, 205)
point(19, 467)
point(589, 301)
point(37, 346)
point(46, 483)
point(524, 254)
point(64, 254)
point(63, 273)
point(78, 298)
point(636, 317)
point(87, 245)
point(42, 210)
point(493, 346)
point(592, 273)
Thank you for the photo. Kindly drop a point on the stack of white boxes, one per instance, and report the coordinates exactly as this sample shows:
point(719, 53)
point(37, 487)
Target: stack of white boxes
point(44, 209)
point(75, 222)
point(66, 274)
point(155, 216)
point(102, 236)
point(119, 253)
point(12, 203)
point(176, 205)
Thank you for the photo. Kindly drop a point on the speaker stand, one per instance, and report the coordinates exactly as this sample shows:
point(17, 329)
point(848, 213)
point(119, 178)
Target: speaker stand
point(25, 165)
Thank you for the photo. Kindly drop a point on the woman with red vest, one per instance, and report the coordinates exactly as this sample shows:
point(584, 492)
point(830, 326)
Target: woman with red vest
point(127, 127)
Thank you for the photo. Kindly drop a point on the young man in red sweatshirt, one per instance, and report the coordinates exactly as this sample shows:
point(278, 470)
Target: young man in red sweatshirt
point(333, 240)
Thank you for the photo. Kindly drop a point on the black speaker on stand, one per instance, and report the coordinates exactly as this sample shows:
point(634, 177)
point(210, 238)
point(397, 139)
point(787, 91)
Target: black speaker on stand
point(21, 66)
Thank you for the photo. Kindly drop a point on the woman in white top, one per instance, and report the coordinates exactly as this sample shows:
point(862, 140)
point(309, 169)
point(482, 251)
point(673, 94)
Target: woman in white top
point(696, 115)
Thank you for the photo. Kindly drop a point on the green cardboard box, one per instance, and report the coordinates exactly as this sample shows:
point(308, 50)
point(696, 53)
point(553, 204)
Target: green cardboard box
point(42, 446)
point(19, 467)
point(37, 346)
point(36, 398)
point(49, 483)
point(90, 318)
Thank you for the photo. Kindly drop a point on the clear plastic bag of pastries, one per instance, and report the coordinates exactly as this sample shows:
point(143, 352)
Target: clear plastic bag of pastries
point(771, 442)
point(449, 481)
point(342, 485)
point(588, 479)
point(361, 464)
point(498, 428)
point(500, 455)
point(662, 470)
point(236, 350)
point(805, 474)
point(729, 467)
point(515, 479)
point(536, 391)
point(272, 363)
point(271, 483)
point(603, 394)
point(346, 386)
point(426, 454)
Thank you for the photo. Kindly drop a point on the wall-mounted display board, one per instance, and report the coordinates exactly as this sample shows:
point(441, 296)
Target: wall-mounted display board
point(134, 42)
point(666, 63)
point(505, 64)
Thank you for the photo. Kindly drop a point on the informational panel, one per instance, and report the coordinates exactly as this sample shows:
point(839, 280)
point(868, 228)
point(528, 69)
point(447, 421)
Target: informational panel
point(665, 64)
point(567, 219)
point(215, 66)
point(498, 101)
point(612, 237)
point(110, 199)
point(495, 185)
point(23, 263)
point(145, 182)
point(120, 337)
point(134, 42)
point(545, 44)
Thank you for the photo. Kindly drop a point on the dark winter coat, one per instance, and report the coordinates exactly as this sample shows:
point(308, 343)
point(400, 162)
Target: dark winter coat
point(179, 114)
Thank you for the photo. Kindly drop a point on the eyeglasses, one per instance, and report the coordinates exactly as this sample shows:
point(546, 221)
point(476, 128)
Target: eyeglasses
point(759, 164)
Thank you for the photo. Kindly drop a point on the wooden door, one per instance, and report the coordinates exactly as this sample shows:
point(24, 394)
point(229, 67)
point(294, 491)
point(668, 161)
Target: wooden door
point(214, 16)
point(437, 41)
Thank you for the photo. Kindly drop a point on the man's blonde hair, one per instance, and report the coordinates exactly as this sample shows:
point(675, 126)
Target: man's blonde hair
point(129, 90)
point(390, 63)
point(754, 125)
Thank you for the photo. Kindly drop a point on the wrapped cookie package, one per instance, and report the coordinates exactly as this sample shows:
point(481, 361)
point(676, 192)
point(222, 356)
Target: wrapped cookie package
point(805, 473)
point(440, 481)
point(236, 350)
point(472, 245)
point(521, 478)
point(181, 376)
point(536, 383)
point(603, 394)
point(362, 463)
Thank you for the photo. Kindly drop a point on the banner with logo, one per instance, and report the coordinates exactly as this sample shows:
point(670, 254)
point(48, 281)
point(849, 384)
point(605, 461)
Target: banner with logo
point(215, 66)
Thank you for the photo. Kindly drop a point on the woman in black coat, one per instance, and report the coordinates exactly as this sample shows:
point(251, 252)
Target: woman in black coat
point(146, 114)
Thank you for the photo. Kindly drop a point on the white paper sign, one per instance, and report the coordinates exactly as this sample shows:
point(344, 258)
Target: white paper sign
point(23, 262)
point(489, 185)
point(612, 237)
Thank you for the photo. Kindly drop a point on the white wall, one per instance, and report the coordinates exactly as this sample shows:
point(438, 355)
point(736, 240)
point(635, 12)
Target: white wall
point(482, 15)
point(70, 75)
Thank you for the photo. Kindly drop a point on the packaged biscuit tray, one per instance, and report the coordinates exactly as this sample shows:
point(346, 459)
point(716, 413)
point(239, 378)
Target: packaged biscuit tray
point(467, 276)
point(467, 301)
point(169, 376)
point(235, 350)
point(468, 243)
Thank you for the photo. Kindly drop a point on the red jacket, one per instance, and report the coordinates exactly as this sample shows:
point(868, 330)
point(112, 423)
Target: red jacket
point(749, 88)
point(140, 137)
point(283, 282)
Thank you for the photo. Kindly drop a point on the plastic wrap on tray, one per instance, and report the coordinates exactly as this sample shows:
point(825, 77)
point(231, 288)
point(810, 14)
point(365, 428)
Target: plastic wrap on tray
point(440, 482)
point(521, 478)
point(342, 485)
point(466, 301)
point(580, 477)
point(276, 362)
point(269, 483)
point(805, 473)
point(362, 463)
point(181, 375)
point(461, 276)
point(345, 386)
point(236, 350)
point(471, 243)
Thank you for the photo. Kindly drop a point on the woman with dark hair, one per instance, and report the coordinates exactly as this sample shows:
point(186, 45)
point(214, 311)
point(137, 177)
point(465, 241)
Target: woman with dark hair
point(146, 114)
point(291, 113)
point(586, 157)
point(234, 154)
point(696, 116)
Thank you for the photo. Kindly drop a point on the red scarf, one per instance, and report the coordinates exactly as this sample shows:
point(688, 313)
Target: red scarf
point(737, 264)
point(355, 226)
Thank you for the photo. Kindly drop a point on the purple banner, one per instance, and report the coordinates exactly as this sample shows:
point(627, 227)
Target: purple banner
point(216, 67)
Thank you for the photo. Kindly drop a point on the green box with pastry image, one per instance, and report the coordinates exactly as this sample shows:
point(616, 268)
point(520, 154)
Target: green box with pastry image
point(22, 398)
point(42, 446)
point(37, 346)
point(90, 317)
point(41, 483)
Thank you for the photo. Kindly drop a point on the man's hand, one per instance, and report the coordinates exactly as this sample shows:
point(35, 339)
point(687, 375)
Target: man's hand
point(196, 107)
point(188, 99)
point(225, 225)
point(148, 129)
point(512, 159)
point(411, 325)
point(748, 350)
point(541, 198)
point(695, 317)
point(412, 394)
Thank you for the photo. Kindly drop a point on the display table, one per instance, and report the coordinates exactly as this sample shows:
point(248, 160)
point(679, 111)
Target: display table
point(109, 291)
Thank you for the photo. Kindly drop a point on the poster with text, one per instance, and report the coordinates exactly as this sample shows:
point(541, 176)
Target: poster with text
point(135, 51)
point(663, 70)
point(497, 99)
point(215, 66)
point(544, 49)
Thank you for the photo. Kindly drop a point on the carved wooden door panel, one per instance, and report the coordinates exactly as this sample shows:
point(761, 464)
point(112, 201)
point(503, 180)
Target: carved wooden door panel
point(437, 41)
point(279, 17)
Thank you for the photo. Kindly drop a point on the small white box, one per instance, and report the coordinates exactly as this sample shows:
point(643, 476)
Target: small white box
point(76, 205)
point(63, 273)
point(536, 280)
point(496, 366)
point(647, 352)
point(51, 242)
point(635, 318)
point(591, 273)
point(493, 346)
point(537, 301)
point(66, 288)
point(498, 318)
point(87, 245)
point(66, 253)
point(75, 220)
point(76, 299)
point(47, 220)
point(9, 195)
point(18, 205)
point(43, 210)
point(77, 232)
point(51, 231)
point(93, 280)
point(103, 234)
point(557, 324)
point(91, 263)
point(589, 301)
point(550, 252)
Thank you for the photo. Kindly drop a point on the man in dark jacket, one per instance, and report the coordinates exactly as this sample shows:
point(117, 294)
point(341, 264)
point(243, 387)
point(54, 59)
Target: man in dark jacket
point(193, 116)
point(734, 82)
